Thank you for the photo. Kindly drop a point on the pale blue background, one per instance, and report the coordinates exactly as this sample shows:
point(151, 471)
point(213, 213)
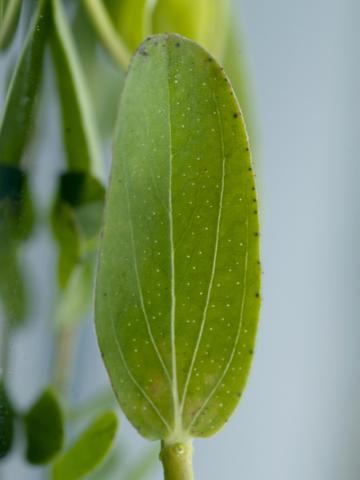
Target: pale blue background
point(300, 416)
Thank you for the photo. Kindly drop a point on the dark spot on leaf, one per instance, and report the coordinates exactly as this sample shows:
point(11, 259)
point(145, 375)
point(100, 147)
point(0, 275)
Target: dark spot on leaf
point(235, 115)
point(256, 234)
point(257, 295)
point(177, 44)
point(246, 149)
point(249, 169)
point(251, 351)
point(209, 59)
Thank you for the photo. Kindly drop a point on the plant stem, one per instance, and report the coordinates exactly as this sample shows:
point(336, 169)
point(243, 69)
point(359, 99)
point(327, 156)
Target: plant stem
point(107, 32)
point(177, 461)
point(63, 359)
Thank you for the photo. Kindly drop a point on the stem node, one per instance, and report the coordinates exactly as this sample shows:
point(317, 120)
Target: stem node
point(177, 461)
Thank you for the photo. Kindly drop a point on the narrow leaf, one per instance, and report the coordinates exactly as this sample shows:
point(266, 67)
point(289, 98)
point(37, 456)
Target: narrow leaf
point(6, 422)
point(89, 450)
point(80, 133)
point(15, 126)
point(9, 21)
point(178, 279)
point(44, 429)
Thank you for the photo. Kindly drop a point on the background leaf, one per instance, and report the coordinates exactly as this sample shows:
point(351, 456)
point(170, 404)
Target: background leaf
point(89, 450)
point(6, 422)
point(9, 20)
point(17, 119)
point(205, 21)
point(79, 129)
point(179, 274)
point(15, 226)
point(76, 220)
point(44, 429)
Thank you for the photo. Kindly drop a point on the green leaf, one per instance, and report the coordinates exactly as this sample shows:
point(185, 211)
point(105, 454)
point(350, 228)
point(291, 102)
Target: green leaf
point(76, 220)
point(80, 133)
point(7, 417)
point(17, 119)
point(12, 289)
point(15, 206)
point(130, 17)
point(15, 226)
point(89, 450)
point(179, 275)
point(44, 429)
point(204, 21)
point(9, 20)
point(102, 23)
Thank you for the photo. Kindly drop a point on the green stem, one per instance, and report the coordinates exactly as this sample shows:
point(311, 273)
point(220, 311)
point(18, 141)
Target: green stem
point(107, 32)
point(63, 360)
point(177, 461)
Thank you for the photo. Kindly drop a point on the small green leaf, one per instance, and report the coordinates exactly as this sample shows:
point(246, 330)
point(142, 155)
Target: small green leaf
point(76, 220)
point(15, 205)
point(17, 119)
point(9, 20)
point(80, 133)
point(89, 450)
point(179, 275)
point(6, 422)
point(44, 429)
point(15, 226)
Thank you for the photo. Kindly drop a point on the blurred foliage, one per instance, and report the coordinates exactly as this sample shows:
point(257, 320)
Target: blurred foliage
point(9, 17)
point(17, 118)
point(76, 220)
point(16, 215)
point(7, 418)
point(44, 427)
point(88, 450)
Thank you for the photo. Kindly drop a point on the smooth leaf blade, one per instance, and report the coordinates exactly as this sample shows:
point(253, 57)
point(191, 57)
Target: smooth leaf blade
point(80, 132)
point(179, 274)
point(15, 126)
point(44, 429)
point(8, 21)
point(89, 450)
